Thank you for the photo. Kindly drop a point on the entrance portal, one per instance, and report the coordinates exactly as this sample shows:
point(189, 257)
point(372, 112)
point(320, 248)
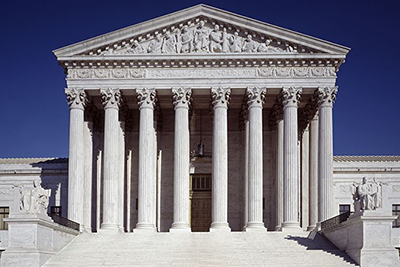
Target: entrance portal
point(200, 192)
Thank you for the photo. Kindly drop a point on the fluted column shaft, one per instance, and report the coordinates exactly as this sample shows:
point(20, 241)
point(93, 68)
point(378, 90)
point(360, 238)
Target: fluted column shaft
point(326, 97)
point(220, 99)
point(111, 99)
point(245, 121)
point(279, 173)
point(76, 99)
point(147, 174)
point(88, 170)
point(181, 100)
point(121, 176)
point(255, 102)
point(291, 178)
point(313, 169)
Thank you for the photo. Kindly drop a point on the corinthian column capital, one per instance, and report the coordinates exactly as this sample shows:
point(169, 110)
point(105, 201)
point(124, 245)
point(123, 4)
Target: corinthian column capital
point(147, 98)
point(182, 98)
point(220, 97)
point(111, 98)
point(76, 98)
point(326, 96)
point(255, 96)
point(291, 96)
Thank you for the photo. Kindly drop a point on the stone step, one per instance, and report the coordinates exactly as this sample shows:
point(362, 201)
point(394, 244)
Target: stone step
point(200, 249)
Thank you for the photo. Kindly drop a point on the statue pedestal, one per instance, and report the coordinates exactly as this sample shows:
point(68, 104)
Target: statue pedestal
point(370, 240)
point(367, 238)
point(33, 239)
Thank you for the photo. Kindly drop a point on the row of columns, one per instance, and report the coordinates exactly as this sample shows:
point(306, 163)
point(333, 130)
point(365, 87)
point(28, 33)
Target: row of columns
point(320, 158)
point(287, 157)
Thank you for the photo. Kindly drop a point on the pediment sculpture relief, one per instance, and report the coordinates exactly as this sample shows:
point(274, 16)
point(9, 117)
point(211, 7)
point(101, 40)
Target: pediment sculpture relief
point(201, 37)
point(367, 195)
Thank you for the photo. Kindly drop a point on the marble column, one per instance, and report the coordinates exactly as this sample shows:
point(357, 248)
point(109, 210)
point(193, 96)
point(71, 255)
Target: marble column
point(147, 173)
point(255, 100)
point(326, 97)
point(291, 178)
point(305, 177)
point(313, 169)
point(121, 176)
point(278, 120)
point(111, 99)
point(88, 174)
point(181, 99)
point(76, 99)
point(245, 128)
point(220, 98)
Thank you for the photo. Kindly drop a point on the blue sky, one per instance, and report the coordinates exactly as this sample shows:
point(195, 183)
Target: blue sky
point(34, 113)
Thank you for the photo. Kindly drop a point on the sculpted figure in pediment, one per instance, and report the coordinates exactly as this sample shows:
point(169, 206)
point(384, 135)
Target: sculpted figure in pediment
point(267, 48)
point(169, 44)
point(225, 41)
point(235, 45)
point(201, 38)
point(155, 45)
point(136, 48)
point(290, 49)
point(249, 45)
point(185, 40)
point(215, 40)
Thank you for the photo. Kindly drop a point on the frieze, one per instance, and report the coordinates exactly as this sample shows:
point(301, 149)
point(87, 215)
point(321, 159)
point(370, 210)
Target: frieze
point(154, 73)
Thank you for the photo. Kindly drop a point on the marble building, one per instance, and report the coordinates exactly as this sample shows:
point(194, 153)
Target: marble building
point(142, 98)
point(202, 120)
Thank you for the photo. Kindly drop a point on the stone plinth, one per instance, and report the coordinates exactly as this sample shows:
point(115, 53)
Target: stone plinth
point(33, 239)
point(367, 239)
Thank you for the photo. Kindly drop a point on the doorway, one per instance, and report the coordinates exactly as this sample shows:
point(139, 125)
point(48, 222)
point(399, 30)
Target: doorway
point(200, 202)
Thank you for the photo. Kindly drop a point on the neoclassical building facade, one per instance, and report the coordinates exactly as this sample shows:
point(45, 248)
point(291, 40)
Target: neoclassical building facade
point(201, 120)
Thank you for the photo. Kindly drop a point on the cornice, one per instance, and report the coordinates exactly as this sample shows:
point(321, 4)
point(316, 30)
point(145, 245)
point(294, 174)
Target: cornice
point(203, 61)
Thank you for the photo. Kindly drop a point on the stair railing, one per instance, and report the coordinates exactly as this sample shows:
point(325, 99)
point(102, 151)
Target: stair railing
point(334, 222)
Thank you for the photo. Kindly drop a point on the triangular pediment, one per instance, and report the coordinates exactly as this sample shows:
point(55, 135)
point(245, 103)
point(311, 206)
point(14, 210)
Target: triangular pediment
point(200, 30)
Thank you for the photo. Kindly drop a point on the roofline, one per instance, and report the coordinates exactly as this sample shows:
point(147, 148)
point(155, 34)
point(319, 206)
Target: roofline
point(200, 9)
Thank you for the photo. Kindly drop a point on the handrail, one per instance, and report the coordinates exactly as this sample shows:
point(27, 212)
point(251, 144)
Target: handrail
point(64, 221)
point(334, 222)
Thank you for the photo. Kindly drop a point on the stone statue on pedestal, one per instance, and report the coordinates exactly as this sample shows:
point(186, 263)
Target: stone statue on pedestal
point(34, 200)
point(367, 195)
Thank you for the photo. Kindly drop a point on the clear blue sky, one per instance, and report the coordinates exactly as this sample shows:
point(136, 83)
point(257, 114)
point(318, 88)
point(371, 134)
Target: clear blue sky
point(34, 113)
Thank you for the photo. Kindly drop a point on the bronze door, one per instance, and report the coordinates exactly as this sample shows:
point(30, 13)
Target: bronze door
point(201, 203)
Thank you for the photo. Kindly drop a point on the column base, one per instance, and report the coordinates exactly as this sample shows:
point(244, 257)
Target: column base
point(255, 227)
point(311, 227)
point(145, 227)
point(220, 227)
point(278, 228)
point(295, 225)
point(110, 227)
point(180, 227)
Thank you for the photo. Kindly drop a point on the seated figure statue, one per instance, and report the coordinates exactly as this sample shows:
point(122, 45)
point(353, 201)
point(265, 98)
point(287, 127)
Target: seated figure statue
point(368, 194)
point(34, 200)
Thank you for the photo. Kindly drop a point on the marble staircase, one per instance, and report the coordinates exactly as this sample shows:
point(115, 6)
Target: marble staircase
point(200, 249)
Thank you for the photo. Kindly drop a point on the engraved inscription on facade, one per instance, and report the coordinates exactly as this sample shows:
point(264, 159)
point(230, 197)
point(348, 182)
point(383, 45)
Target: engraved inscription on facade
point(151, 73)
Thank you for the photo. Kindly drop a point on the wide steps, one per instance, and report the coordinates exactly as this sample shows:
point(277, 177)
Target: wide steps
point(200, 249)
